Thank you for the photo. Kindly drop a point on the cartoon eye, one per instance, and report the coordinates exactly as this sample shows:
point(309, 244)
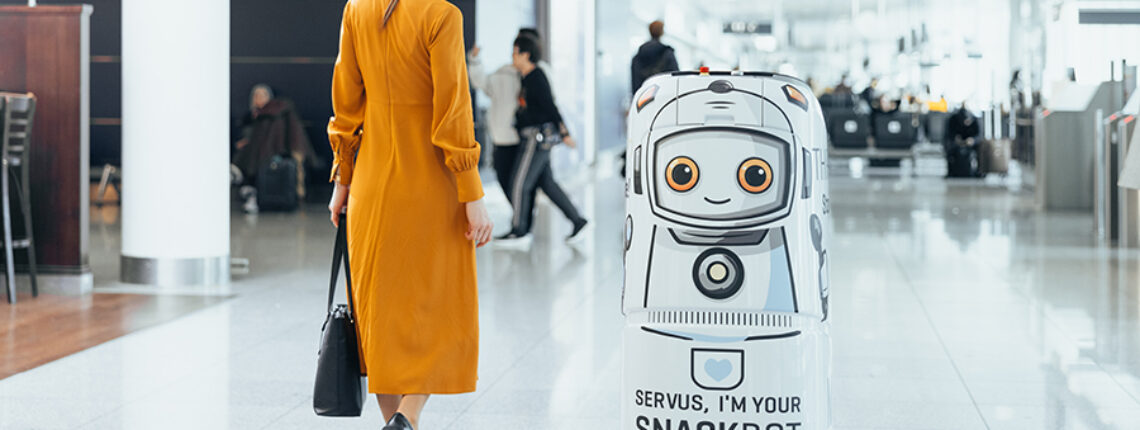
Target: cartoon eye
point(682, 174)
point(755, 175)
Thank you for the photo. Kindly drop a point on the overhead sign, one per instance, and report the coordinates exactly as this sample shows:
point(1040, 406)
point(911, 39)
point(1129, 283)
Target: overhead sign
point(747, 27)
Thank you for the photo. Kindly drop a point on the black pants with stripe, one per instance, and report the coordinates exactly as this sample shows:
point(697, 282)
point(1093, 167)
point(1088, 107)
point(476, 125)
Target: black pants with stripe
point(532, 172)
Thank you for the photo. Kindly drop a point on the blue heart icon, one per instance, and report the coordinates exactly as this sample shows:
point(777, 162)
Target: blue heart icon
point(718, 369)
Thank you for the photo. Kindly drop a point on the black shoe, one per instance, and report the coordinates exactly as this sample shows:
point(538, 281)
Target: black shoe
point(398, 422)
point(575, 235)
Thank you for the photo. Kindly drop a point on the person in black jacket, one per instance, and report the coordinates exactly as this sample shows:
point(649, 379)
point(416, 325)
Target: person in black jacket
point(652, 58)
point(540, 127)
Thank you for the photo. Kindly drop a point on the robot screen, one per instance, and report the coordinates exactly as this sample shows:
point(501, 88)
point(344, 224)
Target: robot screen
point(722, 174)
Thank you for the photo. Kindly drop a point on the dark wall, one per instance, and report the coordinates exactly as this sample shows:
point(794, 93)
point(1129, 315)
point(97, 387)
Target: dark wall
point(289, 44)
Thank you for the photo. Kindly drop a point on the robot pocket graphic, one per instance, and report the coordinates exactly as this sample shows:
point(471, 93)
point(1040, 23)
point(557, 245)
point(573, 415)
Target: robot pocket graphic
point(717, 369)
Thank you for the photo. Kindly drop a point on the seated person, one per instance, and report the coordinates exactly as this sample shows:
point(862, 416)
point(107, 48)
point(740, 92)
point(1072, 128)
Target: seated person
point(270, 128)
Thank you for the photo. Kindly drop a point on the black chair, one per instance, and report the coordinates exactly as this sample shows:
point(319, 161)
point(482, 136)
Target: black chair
point(849, 129)
point(898, 130)
point(934, 126)
point(18, 113)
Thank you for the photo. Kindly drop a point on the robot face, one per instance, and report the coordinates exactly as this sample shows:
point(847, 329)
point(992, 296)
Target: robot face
point(722, 174)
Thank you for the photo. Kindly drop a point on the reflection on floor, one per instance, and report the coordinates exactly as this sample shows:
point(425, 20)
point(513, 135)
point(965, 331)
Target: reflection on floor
point(956, 306)
point(46, 328)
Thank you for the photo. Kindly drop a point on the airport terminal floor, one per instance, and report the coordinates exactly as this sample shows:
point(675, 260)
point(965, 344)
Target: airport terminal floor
point(955, 305)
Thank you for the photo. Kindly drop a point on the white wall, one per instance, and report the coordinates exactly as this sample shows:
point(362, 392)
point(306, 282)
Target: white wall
point(572, 59)
point(497, 23)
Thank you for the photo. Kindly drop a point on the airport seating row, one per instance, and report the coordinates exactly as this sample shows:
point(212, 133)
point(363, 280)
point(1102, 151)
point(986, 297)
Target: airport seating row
point(889, 135)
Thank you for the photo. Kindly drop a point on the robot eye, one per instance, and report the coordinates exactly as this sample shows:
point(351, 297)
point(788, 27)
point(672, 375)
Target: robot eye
point(755, 175)
point(682, 174)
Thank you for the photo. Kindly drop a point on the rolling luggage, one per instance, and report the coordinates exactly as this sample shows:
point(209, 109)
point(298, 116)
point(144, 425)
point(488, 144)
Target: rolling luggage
point(961, 161)
point(277, 184)
point(994, 157)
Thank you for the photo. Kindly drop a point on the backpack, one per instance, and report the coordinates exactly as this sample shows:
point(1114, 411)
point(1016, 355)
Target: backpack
point(659, 66)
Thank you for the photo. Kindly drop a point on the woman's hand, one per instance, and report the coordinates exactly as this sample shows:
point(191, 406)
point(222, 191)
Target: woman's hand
point(479, 223)
point(338, 203)
point(569, 141)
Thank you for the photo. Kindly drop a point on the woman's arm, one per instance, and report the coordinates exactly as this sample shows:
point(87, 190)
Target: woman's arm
point(345, 127)
point(452, 123)
point(348, 100)
point(475, 70)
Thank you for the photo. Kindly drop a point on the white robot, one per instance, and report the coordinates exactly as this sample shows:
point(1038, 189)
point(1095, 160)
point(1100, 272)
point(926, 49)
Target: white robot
point(726, 271)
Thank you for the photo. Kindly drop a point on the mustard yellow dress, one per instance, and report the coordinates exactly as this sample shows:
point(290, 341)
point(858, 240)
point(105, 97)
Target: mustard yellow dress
point(403, 140)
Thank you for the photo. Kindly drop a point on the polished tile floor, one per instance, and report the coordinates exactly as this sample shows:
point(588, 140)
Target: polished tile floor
point(955, 306)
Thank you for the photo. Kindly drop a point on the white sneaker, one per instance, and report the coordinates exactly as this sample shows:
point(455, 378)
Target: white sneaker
point(577, 234)
point(250, 206)
point(236, 178)
point(511, 241)
point(247, 192)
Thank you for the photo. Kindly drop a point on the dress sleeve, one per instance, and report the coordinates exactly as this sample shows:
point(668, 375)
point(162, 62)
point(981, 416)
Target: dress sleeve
point(453, 128)
point(348, 100)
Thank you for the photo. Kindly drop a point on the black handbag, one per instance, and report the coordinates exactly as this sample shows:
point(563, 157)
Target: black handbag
point(339, 387)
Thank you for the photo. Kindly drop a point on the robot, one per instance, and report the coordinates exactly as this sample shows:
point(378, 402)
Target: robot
point(726, 264)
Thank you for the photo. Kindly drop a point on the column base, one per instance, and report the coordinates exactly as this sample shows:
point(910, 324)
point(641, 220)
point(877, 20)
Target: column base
point(176, 272)
point(60, 284)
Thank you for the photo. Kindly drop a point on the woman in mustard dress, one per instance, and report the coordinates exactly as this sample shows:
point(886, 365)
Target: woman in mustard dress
point(406, 167)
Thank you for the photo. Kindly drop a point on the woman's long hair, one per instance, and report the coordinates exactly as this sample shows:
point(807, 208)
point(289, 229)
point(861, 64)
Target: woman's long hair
point(388, 13)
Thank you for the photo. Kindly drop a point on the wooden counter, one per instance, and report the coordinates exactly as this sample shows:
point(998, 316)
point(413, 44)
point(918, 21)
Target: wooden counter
point(45, 50)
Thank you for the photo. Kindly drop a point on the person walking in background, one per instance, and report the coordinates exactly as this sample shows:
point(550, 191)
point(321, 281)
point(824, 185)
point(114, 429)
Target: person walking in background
point(652, 58)
point(502, 87)
point(270, 128)
point(406, 168)
point(540, 126)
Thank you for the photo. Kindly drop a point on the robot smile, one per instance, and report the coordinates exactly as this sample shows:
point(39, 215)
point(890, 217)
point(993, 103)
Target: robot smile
point(718, 202)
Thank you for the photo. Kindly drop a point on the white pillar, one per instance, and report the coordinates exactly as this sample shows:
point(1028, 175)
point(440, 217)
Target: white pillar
point(176, 89)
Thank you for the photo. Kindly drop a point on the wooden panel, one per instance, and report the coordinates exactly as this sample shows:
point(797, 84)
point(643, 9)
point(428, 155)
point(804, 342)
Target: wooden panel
point(106, 92)
point(49, 64)
point(39, 330)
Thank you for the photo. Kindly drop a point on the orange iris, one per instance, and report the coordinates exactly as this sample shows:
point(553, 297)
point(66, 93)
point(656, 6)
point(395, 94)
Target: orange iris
point(755, 175)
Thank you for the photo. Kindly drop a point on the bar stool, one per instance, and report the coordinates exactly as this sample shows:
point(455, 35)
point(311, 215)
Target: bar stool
point(18, 112)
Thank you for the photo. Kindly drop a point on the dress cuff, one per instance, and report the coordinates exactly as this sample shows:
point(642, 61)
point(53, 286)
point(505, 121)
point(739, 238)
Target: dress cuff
point(341, 171)
point(470, 185)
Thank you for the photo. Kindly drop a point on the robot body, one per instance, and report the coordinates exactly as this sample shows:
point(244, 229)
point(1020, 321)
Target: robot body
point(726, 267)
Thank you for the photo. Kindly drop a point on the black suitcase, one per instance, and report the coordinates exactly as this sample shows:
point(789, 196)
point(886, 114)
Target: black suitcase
point(277, 184)
point(961, 161)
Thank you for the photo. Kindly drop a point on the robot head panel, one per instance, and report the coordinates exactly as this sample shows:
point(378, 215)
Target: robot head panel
point(722, 175)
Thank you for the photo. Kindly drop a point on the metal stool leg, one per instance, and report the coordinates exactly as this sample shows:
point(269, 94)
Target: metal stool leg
point(10, 265)
point(23, 191)
point(103, 181)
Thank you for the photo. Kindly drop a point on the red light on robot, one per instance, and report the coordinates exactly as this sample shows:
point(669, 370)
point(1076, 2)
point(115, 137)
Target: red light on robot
point(1129, 119)
point(704, 71)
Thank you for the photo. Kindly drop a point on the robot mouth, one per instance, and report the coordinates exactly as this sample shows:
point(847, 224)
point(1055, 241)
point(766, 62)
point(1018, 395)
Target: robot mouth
point(718, 202)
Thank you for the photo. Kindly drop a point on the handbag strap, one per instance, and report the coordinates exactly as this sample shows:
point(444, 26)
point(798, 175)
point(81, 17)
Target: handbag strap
point(340, 253)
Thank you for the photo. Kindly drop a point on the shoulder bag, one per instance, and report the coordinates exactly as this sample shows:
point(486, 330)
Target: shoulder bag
point(339, 387)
